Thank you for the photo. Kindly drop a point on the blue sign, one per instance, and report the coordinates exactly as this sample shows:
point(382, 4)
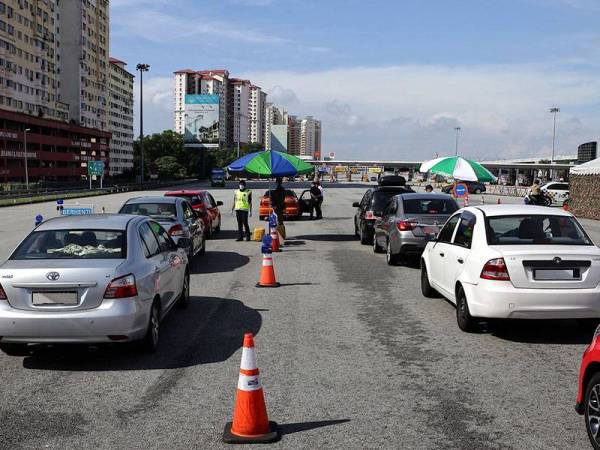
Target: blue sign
point(460, 190)
point(38, 219)
point(77, 210)
point(267, 241)
point(60, 201)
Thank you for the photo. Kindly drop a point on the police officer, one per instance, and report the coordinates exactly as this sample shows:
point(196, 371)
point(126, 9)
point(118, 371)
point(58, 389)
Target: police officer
point(242, 204)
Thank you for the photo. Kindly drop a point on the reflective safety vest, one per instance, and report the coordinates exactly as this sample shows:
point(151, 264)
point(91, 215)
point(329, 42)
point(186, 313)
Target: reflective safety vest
point(242, 200)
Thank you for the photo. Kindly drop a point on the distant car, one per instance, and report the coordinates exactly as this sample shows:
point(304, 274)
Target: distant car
point(513, 262)
point(588, 392)
point(91, 279)
point(557, 191)
point(474, 187)
point(291, 209)
point(371, 207)
point(408, 222)
point(391, 180)
point(176, 215)
point(204, 203)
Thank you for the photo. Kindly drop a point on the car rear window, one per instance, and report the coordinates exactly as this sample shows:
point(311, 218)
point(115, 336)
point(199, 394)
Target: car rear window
point(382, 198)
point(536, 230)
point(288, 193)
point(154, 210)
point(192, 199)
point(73, 244)
point(429, 206)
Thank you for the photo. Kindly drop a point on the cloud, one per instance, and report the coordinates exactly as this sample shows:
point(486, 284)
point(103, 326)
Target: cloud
point(282, 96)
point(159, 104)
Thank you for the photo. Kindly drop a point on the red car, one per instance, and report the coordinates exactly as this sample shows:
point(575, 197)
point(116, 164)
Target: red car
point(588, 394)
point(204, 203)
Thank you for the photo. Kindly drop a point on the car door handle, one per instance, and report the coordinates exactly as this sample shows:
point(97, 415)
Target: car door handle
point(442, 254)
point(460, 260)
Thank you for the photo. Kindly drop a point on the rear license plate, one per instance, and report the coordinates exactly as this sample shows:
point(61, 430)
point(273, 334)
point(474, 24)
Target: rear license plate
point(557, 274)
point(54, 298)
point(429, 230)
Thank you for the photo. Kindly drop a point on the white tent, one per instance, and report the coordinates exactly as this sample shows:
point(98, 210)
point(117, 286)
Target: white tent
point(589, 168)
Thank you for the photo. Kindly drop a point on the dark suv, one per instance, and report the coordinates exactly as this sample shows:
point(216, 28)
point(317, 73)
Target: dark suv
point(475, 187)
point(371, 208)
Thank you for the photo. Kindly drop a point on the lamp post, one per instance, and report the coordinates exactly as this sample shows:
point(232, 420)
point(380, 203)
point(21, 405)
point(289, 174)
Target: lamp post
point(553, 111)
point(457, 129)
point(142, 68)
point(27, 130)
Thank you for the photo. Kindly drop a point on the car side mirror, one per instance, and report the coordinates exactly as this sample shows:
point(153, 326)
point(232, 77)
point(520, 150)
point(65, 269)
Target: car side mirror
point(219, 203)
point(355, 205)
point(184, 243)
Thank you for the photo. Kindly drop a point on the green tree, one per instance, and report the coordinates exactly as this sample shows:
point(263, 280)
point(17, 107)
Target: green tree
point(169, 167)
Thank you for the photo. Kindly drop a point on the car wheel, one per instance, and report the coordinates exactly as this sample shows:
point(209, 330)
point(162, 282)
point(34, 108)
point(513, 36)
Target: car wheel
point(203, 249)
point(15, 349)
point(184, 297)
point(478, 191)
point(466, 322)
point(152, 338)
point(376, 246)
point(426, 288)
point(356, 233)
point(592, 410)
point(391, 258)
point(364, 238)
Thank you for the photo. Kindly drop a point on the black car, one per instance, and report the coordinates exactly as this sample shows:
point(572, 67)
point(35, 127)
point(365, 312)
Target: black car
point(474, 187)
point(371, 207)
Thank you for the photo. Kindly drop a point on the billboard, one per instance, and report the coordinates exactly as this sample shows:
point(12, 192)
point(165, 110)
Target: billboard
point(201, 121)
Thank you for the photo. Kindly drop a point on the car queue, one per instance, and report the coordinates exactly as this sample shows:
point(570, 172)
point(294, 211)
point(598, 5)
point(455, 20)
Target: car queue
point(494, 262)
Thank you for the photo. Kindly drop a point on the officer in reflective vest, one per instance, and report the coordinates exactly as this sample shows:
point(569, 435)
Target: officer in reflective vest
point(242, 204)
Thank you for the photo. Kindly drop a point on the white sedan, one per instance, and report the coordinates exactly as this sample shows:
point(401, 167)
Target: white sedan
point(558, 191)
point(513, 261)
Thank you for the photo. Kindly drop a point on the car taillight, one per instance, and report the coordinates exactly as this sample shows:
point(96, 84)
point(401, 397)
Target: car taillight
point(370, 216)
point(495, 269)
point(121, 287)
point(405, 225)
point(2, 294)
point(176, 230)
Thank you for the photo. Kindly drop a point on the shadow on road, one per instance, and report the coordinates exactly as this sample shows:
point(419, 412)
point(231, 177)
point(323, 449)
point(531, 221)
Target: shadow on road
point(328, 237)
point(293, 242)
point(566, 332)
point(210, 330)
point(213, 262)
point(290, 428)
point(224, 235)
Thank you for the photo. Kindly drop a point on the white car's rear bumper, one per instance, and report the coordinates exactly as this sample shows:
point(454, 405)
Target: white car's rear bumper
point(119, 320)
point(500, 299)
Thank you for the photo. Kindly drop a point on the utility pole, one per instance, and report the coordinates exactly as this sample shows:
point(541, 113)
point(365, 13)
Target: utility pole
point(554, 111)
point(142, 68)
point(457, 129)
point(27, 130)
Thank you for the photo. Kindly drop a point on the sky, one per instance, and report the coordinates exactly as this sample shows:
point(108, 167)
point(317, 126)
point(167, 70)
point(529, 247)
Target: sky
point(390, 79)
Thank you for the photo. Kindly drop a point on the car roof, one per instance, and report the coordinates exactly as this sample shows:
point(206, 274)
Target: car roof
point(391, 189)
point(510, 210)
point(183, 192)
point(149, 199)
point(89, 221)
point(424, 196)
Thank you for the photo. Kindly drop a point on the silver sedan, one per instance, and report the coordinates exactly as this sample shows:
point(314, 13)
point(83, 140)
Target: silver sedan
point(91, 279)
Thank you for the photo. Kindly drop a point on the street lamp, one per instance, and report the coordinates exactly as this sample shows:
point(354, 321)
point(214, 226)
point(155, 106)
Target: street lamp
point(142, 68)
point(554, 111)
point(457, 129)
point(27, 130)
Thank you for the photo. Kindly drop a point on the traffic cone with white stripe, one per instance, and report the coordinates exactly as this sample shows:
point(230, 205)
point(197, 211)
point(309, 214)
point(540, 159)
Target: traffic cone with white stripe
point(267, 273)
point(250, 423)
point(275, 244)
point(466, 201)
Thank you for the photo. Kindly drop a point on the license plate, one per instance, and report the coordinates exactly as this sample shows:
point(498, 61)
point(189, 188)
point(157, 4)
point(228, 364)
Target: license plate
point(557, 274)
point(429, 230)
point(54, 298)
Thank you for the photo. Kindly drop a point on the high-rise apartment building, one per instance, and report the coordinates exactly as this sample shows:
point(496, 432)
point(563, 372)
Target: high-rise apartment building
point(274, 115)
point(310, 137)
point(294, 135)
point(120, 106)
point(256, 114)
point(240, 102)
point(204, 82)
point(84, 60)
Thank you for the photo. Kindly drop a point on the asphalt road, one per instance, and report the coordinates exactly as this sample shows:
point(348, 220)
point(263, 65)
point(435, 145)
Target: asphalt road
point(351, 356)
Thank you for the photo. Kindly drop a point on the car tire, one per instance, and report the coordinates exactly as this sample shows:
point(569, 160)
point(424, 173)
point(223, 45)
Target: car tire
point(376, 247)
point(391, 258)
point(426, 289)
point(592, 401)
point(465, 321)
point(15, 349)
point(364, 239)
point(478, 191)
point(356, 233)
point(151, 341)
point(184, 297)
point(203, 249)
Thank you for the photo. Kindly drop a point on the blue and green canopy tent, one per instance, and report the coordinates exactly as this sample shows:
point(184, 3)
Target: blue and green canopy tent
point(269, 164)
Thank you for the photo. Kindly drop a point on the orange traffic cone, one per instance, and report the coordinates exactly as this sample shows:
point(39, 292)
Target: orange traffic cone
point(275, 244)
point(267, 273)
point(250, 423)
point(565, 206)
point(466, 201)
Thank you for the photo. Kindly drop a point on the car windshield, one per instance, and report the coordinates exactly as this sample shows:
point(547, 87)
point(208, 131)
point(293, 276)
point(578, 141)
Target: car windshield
point(72, 244)
point(288, 193)
point(429, 206)
point(154, 210)
point(536, 230)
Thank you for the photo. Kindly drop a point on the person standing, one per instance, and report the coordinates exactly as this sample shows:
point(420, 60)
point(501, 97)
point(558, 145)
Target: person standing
point(278, 200)
point(242, 204)
point(321, 197)
point(316, 198)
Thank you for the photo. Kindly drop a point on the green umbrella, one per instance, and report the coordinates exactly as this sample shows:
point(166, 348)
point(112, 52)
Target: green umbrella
point(270, 164)
point(458, 168)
